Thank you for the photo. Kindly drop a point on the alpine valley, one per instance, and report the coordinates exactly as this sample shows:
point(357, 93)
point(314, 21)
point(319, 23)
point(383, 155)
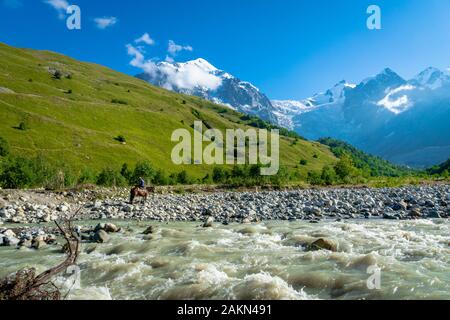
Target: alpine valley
point(403, 121)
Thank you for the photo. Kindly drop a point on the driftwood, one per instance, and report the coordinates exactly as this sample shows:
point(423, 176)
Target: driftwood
point(26, 285)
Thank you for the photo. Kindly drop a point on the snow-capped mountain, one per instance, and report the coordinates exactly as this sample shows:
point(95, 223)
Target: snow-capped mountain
point(286, 110)
point(430, 78)
point(407, 122)
point(200, 78)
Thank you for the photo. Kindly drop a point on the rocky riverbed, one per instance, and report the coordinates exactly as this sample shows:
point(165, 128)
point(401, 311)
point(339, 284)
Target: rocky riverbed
point(312, 205)
point(299, 244)
point(412, 202)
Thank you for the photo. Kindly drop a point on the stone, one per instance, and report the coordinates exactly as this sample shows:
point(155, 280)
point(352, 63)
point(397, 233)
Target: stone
point(100, 226)
point(208, 223)
point(127, 209)
point(434, 214)
point(101, 236)
point(429, 204)
point(9, 233)
point(62, 208)
point(389, 216)
point(323, 244)
point(10, 241)
point(402, 205)
point(25, 243)
point(149, 230)
point(97, 204)
point(38, 244)
point(50, 239)
point(111, 228)
point(415, 212)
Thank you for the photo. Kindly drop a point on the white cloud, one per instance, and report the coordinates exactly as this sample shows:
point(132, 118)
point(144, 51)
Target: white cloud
point(174, 48)
point(397, 103)
point(183, 76)
point(170, 59)
point(188, 77)
point(59, 5)
point(148, 66)
point(105, 22)
point(145, 39)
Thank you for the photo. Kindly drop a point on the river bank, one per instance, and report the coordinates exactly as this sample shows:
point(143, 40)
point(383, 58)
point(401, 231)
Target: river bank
point(403, 203)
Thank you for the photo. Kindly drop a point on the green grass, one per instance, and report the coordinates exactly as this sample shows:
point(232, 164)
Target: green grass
point(371, 166)
point(79, 129)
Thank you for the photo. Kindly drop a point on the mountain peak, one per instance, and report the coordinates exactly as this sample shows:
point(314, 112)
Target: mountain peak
point(387, 71)
point(387, 76)
point(203, 64)
point(431, 77)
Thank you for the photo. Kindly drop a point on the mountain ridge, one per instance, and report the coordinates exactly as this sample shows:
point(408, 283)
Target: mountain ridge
point(200, 78)
point(403, 121)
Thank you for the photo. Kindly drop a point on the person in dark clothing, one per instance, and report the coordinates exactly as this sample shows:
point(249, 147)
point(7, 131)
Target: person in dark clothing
point(141, 183)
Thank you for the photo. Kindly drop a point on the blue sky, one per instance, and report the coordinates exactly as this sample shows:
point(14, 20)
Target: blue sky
point(290, 49)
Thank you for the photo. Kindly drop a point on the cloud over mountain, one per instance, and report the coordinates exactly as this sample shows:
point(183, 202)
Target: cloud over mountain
point(105, 22)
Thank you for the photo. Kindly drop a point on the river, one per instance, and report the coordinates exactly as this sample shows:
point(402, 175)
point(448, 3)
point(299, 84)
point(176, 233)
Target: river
point(268, 260)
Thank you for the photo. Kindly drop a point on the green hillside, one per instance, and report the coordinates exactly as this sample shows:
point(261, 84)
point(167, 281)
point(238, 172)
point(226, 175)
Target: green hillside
point(371, 165)
point(442, 169)
point(72, 112)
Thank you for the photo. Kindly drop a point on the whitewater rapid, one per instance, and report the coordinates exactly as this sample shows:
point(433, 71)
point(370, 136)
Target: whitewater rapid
point(268, 260)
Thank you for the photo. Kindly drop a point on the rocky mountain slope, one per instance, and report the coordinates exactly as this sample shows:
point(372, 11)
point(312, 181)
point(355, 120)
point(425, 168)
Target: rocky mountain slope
point(402, 121)
point(202, 79)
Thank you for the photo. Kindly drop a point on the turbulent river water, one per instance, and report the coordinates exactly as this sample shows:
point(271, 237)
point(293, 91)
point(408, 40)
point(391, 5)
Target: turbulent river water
point(260, 261)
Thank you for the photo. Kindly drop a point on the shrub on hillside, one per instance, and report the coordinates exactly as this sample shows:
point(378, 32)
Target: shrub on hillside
point(110, 178)
point(17, 173)
point(126, 172)
point(118, 101)
point(121, 139)
point(22, 126)
point(314, 178)
point(328, 176)
point(219, 175)
point(183, 178)
point(4, 147)
point(344, 168)
point(142, 170)
point(160, 178)
point(87, 175)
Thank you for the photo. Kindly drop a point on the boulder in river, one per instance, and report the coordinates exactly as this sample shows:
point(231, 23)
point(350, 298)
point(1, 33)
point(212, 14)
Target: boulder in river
point(10, 241)
point(101, 236)
point(38, 244)
point(108, 227)
point(208, 223)
point(149, 230)
point(9, 233)
point(323, 244)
